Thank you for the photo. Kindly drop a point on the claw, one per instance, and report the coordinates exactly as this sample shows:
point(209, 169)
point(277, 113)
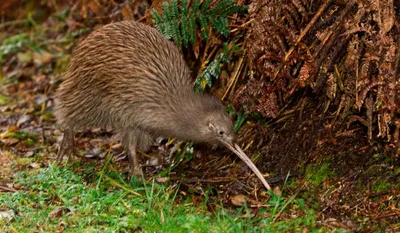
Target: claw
point(66, 147)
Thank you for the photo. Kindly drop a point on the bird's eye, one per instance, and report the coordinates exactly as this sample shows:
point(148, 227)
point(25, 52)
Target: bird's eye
point(221, 133)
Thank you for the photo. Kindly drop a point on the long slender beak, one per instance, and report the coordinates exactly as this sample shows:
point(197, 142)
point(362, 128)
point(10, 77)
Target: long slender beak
point(236, 149)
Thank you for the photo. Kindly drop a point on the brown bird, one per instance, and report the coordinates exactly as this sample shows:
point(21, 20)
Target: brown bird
point(129, 77)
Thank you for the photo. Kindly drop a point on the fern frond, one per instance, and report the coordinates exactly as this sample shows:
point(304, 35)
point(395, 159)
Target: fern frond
point(185, 24)
point(174, 9)
point(211, 73)
point(232, 9)
point(192, 30)
point(221, 5)
point(204, 7)
point(203, 27)
point(156, 16)
point(184, 7)
point(195, 7)
point(220, 24)
point(175, 22)
point(166, 11)
point(179, 23)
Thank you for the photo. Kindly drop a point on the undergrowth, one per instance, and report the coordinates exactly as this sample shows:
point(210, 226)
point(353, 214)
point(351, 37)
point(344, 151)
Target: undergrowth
point(182, 22)
point(79, 200)
point(179, 21)
point(211, 72)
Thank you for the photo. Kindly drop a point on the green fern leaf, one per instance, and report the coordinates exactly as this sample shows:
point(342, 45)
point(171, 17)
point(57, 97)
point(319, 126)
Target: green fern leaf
point(195, 7)
point(176, 32)
point(231, 9)
point(220, 24)
point(211, 73)
point(158, 21)
point(220, 5)
point(175, 22)
point(204, 7)
point(208, 75)
point(184, 7)
point(180, 20)
point(185, 30)
point(203, 27)
point(192, 30)
point(166, 11)
point(156, 17)
point(174, 9)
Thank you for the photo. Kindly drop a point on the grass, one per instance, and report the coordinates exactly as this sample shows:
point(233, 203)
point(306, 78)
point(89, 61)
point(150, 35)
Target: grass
point(73, 199)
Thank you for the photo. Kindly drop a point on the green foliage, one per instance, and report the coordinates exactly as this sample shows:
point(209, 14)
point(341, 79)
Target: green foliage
point(240, 119)
point(183, 154)
point(37, 40)
point(239, 115)
point(4, 100)
point(211, 73)
point(66, 199)
point(28, 137)
point(12, 45)
point(316, 174)
point(179, 20)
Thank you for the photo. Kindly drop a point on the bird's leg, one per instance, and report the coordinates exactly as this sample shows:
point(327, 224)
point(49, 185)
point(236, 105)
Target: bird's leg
point(130, 142)
point(136, 170)
point(67, 145)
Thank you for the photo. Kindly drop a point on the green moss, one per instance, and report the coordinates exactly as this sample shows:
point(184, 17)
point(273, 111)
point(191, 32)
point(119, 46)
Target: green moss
point(4, 100)
point(381, 185)
point(317, 173)
point(291, 184)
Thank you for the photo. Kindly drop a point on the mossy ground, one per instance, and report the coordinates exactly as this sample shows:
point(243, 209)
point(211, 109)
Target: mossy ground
point(79, 199)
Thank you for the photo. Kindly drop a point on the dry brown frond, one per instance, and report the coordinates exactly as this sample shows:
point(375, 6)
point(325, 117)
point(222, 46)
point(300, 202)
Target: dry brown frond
point(343, 50)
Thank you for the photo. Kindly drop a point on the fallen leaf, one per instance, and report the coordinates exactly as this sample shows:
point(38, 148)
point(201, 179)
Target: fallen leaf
point(162, 179)
point(12, 128)
point(154, 161)
point(40, 99)
point(23, 119)
point(277, 191)
point(42, 58)
point(117, 146)
point(59, 212)
point(29, 154)
point(8, 214)
point(95, 153)
point(238, 200)
point(34, 165)
point(24, 57)
point(10, 141)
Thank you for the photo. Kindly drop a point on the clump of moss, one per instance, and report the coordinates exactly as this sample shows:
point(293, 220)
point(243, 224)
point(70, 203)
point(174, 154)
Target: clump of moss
point(317, 173)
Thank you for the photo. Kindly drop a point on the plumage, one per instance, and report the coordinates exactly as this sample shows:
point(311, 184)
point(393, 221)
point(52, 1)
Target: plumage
point(128, 77)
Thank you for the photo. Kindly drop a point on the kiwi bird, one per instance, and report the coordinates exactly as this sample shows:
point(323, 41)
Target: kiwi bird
point(128, 77)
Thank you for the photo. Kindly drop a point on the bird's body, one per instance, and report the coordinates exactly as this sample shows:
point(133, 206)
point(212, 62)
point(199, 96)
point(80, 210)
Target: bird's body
point(128, 77)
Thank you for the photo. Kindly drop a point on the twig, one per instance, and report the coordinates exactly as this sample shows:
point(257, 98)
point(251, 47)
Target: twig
point(330, 41)
point(234, 77)
point(7, 189)
point(244, 26)
point(12, 23)
point(302, 34)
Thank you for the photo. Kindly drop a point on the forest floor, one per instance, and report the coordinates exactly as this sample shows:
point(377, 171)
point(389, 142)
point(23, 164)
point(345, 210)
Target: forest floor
point(326, 177)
